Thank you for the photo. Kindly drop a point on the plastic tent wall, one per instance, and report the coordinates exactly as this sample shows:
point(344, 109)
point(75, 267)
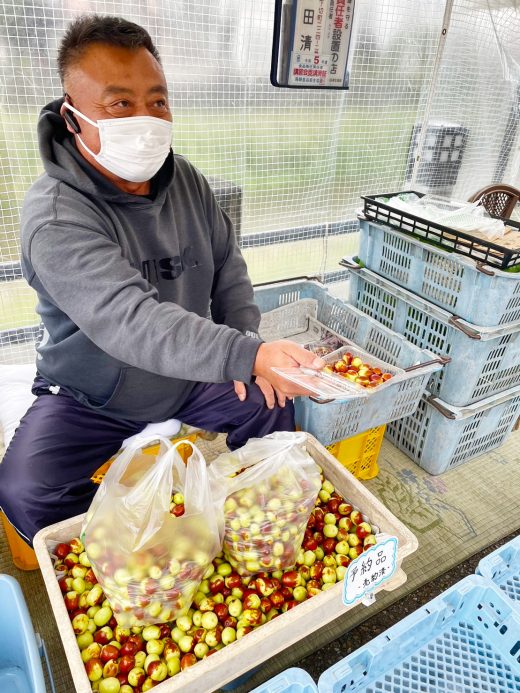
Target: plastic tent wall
point(290, 164)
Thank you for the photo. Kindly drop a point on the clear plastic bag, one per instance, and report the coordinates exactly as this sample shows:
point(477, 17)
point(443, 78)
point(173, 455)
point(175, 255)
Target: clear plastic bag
point(271, 486)
point(148, 561)
point(470, 217)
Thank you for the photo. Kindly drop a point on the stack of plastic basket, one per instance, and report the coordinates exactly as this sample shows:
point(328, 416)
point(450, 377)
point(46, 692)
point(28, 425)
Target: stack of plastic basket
point(457, 307)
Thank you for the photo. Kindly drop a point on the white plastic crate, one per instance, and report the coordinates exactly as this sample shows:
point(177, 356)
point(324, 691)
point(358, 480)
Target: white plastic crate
point(465, 640)
point(21, 649)
point(293, 680)
point(295, 305)
point(502, 567)
point(477, 293)
point(439, 436)
point(484, 360)
point(263, 643)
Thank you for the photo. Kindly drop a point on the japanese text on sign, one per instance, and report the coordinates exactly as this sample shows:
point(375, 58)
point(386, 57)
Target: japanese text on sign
point(369, 570)
point(321, 32)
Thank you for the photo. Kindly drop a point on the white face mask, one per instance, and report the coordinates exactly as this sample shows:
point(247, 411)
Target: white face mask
point(132, 148)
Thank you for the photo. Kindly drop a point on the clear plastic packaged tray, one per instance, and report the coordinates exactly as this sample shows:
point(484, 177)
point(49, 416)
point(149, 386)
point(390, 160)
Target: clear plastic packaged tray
point(336, 386)
point(323, 385)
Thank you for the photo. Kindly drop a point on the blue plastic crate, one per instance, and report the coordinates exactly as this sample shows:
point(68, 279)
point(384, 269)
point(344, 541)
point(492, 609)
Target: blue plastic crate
point(240, 680)
point(484, 360)
point(336, 421)
point(467, 640)
point(20, 648)
point(292, 680)
point(481, 295)
point(437, 442)
point(502, 567)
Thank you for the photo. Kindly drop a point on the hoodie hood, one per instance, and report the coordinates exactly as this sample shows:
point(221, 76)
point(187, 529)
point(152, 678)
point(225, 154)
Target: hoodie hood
point(63, 161)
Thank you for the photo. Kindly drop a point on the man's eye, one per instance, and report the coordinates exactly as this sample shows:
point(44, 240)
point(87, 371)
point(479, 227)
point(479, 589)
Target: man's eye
point(161, 103)
point(121, 104)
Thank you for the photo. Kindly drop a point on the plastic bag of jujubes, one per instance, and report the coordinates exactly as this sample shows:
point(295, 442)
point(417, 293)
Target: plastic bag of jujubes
point(271, 487)
point(147, 560)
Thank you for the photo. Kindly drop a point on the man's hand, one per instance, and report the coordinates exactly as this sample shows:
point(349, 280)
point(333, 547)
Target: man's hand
point(283, 354)
point(271, 395)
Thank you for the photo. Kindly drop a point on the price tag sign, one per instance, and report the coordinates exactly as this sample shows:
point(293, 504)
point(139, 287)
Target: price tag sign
point(369, 570)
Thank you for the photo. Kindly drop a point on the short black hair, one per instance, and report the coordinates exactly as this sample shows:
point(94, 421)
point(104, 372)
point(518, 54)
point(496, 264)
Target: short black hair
point(95, 28)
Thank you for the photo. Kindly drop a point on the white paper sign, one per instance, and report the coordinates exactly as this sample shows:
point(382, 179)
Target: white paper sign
point(320, 40)
point(369, 570)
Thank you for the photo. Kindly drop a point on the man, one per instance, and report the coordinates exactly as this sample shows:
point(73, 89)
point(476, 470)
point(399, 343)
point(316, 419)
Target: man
point(129, 254)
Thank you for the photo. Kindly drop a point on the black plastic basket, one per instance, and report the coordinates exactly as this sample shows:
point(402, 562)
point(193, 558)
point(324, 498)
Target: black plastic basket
point(444, 237)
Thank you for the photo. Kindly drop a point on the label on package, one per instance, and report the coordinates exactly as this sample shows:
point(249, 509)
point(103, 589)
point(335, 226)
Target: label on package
point(369, 570)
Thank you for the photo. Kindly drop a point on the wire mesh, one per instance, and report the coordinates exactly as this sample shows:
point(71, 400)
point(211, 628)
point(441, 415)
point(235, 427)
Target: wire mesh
point(288, 164)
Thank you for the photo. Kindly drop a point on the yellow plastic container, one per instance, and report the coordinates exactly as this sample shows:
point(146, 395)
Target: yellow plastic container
point(360, 452)
point(184, 452)
point(23, 556)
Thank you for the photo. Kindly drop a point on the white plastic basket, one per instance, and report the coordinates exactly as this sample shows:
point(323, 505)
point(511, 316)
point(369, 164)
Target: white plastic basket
point(484, 360)
point(502, 567)
point(479, 294)
point(466, 639)
point(334, 421)
point(439, 437)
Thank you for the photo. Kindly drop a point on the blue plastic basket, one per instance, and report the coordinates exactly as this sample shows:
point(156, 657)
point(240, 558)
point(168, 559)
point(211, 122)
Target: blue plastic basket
point(336, 421)
point(502, 567)
point(484, 360)
point(479, 294)
point(21, 648)
point(467, 640)
point(240, 680)
point(438, 436)
point(292, 680)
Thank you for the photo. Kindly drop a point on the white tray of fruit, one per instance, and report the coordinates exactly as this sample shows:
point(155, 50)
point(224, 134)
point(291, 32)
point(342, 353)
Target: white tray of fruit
point(235, 622)
point(350, 372)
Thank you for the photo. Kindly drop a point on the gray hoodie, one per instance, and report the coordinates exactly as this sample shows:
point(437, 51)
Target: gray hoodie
point(126, 283)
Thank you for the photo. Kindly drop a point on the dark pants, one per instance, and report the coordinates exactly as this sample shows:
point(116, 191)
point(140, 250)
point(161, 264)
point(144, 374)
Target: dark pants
point(60, 443)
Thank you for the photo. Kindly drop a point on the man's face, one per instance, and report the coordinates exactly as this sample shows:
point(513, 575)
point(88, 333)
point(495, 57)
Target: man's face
point(114, 82)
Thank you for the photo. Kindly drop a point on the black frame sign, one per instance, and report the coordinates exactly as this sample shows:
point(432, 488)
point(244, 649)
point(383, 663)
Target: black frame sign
point(311, 44)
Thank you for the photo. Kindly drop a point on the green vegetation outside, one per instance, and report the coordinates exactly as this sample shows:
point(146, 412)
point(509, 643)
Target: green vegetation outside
point(294, 167)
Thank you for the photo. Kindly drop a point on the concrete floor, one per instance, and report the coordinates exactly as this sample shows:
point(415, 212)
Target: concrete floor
point(322, 659)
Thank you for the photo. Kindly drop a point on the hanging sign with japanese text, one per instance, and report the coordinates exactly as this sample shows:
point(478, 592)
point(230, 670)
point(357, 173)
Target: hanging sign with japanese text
point(369, 570)
point(312, 46)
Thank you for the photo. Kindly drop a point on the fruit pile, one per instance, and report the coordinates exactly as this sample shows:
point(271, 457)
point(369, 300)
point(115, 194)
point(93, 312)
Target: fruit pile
point(264, 524)
point(226, 606)
point(354, 369)
point(177, 508)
